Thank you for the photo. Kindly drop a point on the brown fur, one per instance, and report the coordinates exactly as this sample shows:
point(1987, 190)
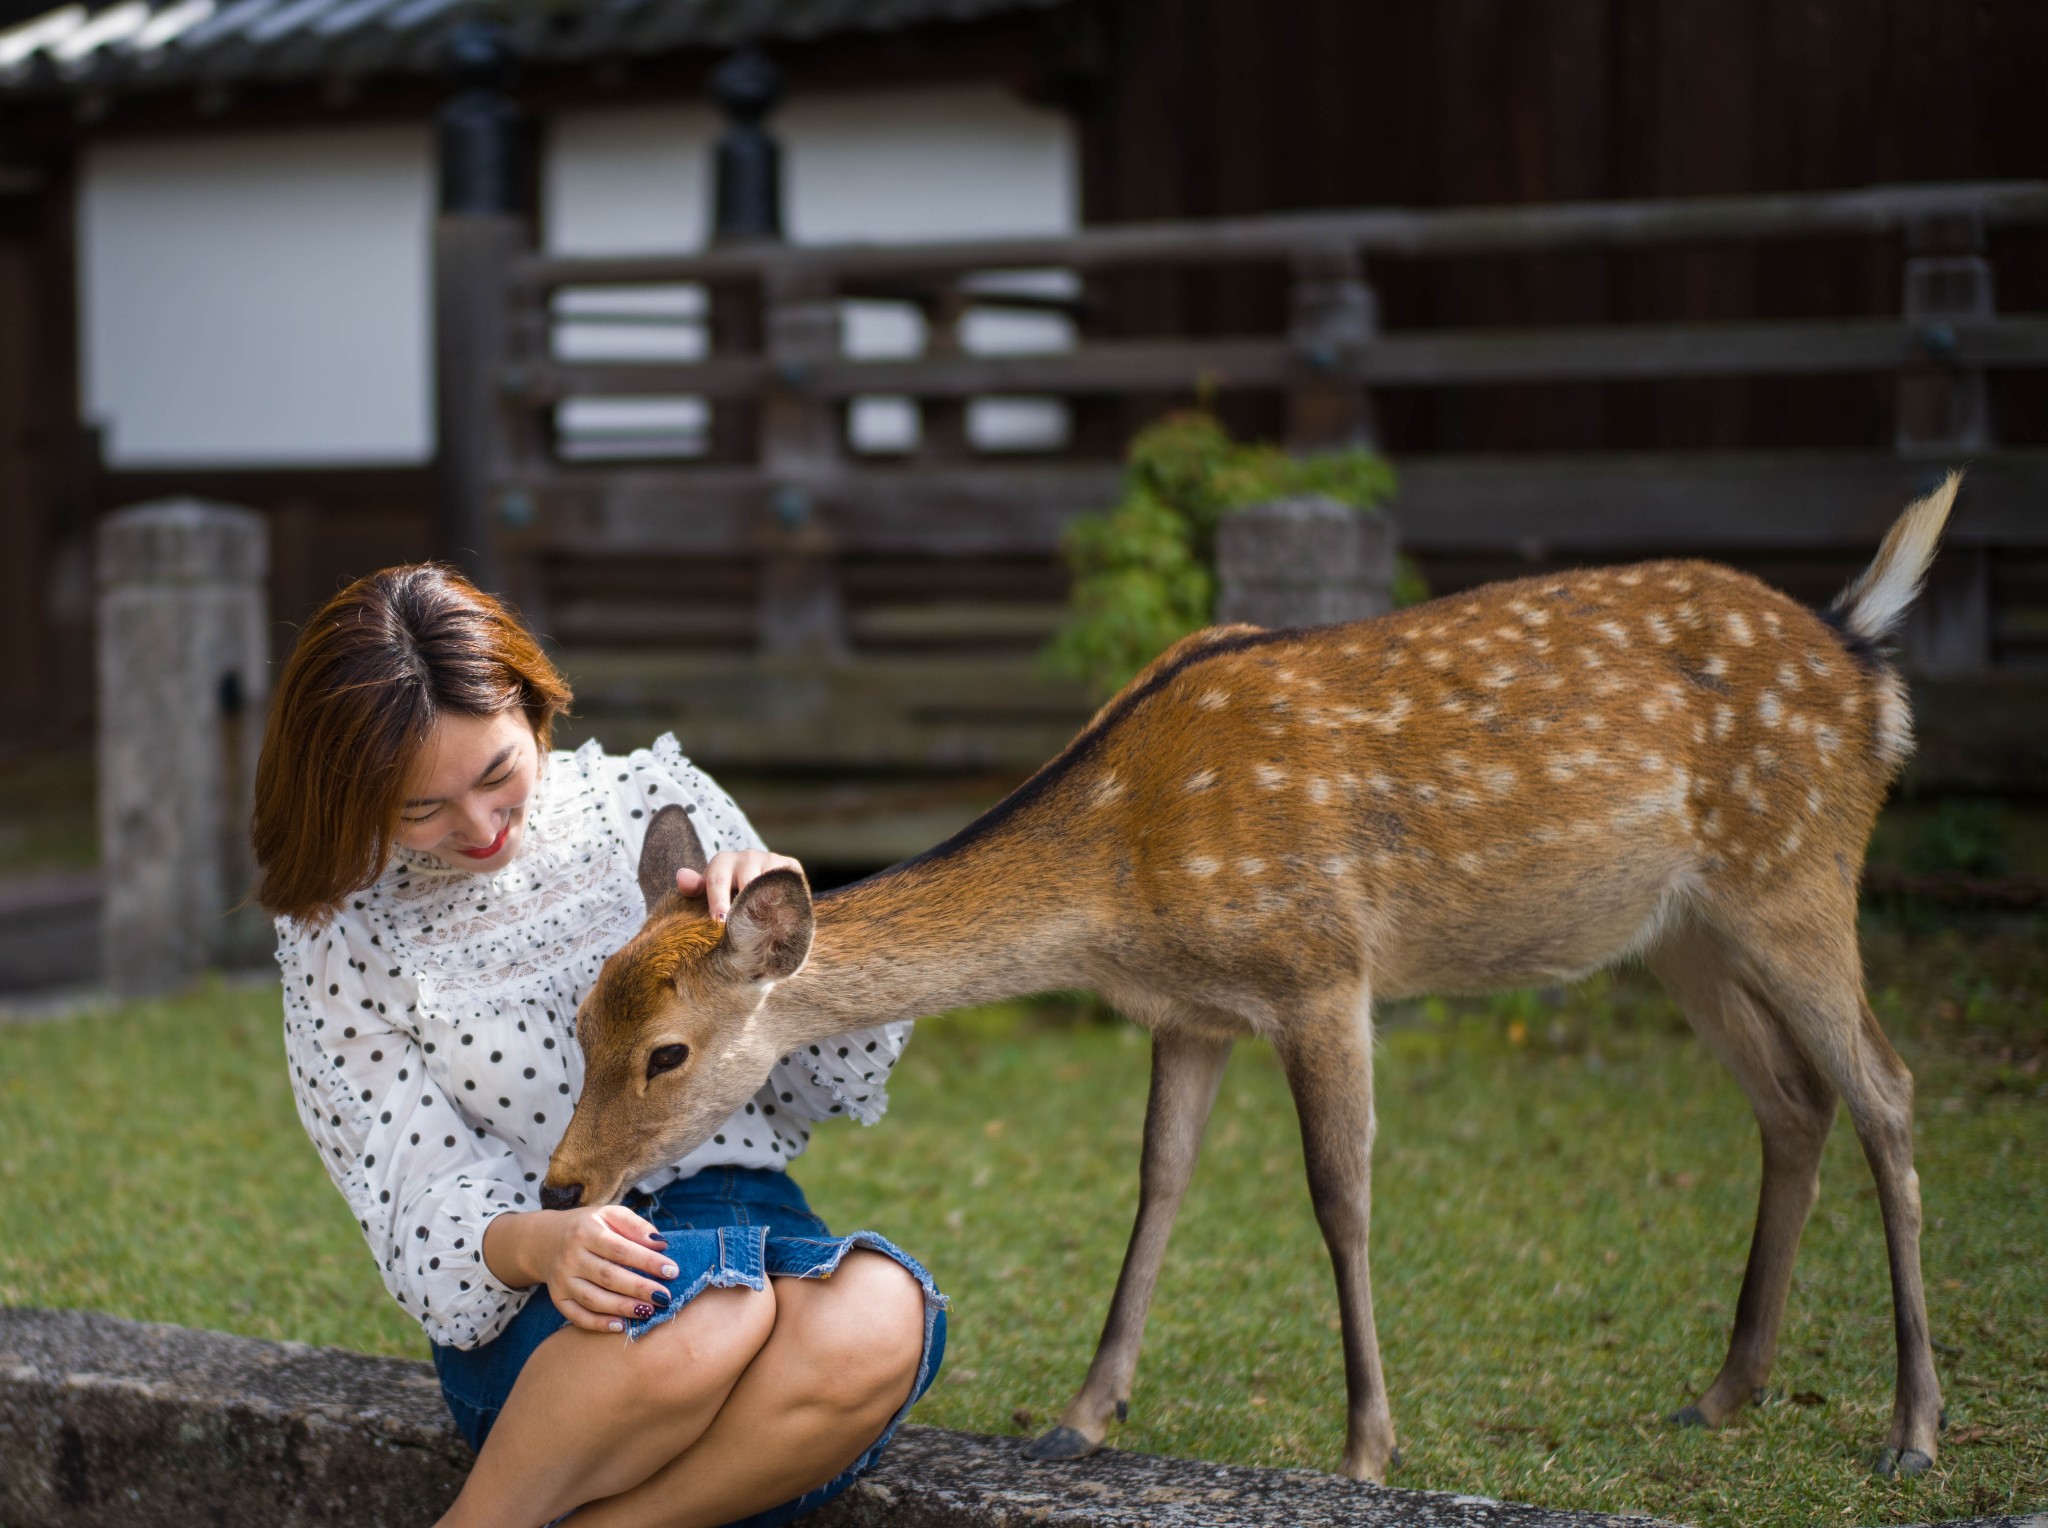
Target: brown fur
point(1267, 831)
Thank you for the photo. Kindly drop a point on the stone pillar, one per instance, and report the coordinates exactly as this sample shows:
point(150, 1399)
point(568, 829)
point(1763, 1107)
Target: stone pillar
point(183, 678)
point(1303, 562)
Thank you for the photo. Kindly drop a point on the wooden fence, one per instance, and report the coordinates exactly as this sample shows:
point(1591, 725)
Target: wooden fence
point(748, 563)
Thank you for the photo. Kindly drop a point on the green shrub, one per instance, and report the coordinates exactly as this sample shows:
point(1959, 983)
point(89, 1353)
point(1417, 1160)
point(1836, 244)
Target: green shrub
point(1141, 569)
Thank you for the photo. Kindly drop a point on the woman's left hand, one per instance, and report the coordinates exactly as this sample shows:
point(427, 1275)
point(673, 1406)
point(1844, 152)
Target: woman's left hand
point(729, 870)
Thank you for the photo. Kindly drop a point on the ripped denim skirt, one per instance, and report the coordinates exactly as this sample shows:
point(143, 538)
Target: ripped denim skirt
point(725, 1226)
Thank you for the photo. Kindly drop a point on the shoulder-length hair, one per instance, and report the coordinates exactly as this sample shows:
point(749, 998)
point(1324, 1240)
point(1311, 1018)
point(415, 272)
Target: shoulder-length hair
point(365, 683)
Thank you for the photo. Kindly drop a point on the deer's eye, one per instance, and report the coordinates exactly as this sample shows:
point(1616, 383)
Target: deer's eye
point(666, 1058)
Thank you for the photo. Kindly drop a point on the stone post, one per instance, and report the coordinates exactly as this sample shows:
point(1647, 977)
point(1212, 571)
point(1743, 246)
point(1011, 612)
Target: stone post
point(183, 677)
point(1304, 562)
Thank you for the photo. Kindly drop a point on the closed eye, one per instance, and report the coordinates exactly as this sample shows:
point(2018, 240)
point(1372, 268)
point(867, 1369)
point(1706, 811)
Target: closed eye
point(666, 1058)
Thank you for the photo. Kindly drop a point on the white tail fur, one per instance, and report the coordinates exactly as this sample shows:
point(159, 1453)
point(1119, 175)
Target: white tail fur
point(1873, 606)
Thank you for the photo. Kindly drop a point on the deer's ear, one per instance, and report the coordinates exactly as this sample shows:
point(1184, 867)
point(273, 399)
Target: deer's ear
point(671, 845)
point(768, 931)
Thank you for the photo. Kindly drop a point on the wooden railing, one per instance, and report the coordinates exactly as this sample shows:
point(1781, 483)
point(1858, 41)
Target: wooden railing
point(765, 477)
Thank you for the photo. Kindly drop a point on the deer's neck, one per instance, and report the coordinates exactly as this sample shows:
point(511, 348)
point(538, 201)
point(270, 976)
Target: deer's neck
point(974, 926)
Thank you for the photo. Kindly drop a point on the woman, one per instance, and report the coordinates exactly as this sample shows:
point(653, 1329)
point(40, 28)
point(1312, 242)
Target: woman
point(445, 890)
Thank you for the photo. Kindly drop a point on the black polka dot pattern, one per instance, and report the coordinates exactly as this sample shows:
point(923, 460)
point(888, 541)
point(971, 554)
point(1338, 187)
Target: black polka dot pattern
point(439, 1089)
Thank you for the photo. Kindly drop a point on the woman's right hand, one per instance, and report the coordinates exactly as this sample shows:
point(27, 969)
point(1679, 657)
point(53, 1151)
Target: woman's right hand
point(599, 1262)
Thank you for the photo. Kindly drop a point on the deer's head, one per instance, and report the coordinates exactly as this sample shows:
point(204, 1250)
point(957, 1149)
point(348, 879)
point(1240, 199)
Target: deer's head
point(676, 1032)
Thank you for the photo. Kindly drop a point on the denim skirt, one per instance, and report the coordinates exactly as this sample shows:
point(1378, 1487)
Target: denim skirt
point(726, 1226)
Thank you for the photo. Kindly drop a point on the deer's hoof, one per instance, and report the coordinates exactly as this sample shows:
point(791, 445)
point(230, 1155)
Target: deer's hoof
point(1689, 1416)
point(1901, 1461)
point(1060, 1443)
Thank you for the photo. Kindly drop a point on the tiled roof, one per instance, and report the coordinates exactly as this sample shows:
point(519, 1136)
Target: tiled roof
point(132, 45)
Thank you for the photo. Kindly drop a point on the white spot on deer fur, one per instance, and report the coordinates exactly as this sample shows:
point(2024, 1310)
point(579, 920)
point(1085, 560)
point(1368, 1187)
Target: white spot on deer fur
point(1337, 864)
point(1827, 740)
point(1213, 700)
point(1815, 662)
point(1457, 763)
point(1724, 721)
point(1499, 677)
point(1379, 785)
point(1558, 768)
point(1461, 798)
point(1537, 618)
point(1798, 722)
point(1710, 824)
point(1679, 585)
point(1200, 780)
point(1716, 666)
point(1271, 776)
point(1500, 779)
point(1393, 714)
point(1792, 842)
point(1319, 791)
point(1775, 622)
point(1425, 793)
point(1788, 676)
point(1350, 649)
point(1538, 724)
point(1813, 799)
point(1106, 789)
point(1453, 705)
point(1470, 863)
point(1437, 658)
point(1739, 629)
point(1591, 659)
point(1651, 763)
point(1768, 709)
point(1660, 628)
point(1688, 615)
point(1201, 864)
point(1253, 866)
point(1629, 580)
point(1614, 632)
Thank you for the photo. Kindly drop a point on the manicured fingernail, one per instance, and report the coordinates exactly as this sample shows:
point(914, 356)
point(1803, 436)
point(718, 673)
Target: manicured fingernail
point(656, 1240)
point(618, 1326)
point(668, 1270)
point(642, 1311)
point(660, 1297)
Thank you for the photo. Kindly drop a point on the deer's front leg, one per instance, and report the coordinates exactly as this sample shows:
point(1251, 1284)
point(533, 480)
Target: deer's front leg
point(1186, 1071)
point(1328, 1061)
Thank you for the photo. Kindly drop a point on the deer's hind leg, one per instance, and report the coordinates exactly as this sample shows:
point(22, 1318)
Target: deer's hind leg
point(1328, 1061)
point(1795, 1108)
point(1798, 951)
point(1187, 1069)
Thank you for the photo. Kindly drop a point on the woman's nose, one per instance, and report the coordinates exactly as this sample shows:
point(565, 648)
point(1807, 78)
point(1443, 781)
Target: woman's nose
point(479, 823)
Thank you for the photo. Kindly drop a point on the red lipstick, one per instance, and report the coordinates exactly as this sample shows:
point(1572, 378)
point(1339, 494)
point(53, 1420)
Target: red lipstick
point(490, 848)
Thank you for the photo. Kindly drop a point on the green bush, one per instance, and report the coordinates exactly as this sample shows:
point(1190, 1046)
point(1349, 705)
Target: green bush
point(1141, 569)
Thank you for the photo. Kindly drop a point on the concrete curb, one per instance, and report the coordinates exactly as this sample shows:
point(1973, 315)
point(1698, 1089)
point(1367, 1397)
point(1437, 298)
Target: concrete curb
point(106, 1422)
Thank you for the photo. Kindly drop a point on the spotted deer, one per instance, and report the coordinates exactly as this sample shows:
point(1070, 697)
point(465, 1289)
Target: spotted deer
point(1267, 831)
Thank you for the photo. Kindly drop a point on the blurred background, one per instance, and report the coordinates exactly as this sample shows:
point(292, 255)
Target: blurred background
point(765, 351)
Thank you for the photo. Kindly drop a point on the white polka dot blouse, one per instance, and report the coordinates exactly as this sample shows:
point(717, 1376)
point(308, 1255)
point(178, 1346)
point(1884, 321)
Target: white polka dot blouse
point(431, 1030)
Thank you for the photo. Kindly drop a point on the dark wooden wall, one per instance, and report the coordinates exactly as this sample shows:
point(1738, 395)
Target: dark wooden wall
point(1216, 107)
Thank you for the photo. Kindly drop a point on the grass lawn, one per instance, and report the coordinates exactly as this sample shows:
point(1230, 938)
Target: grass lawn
point(1563, 1199)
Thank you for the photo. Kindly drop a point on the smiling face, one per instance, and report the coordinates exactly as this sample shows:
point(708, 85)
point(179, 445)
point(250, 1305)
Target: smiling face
point(466, 797)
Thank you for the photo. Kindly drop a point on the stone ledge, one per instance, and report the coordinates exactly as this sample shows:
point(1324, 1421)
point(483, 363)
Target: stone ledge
point(106, 1422)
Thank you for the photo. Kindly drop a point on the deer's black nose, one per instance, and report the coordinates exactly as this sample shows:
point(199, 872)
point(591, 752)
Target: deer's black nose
point(563, 1197)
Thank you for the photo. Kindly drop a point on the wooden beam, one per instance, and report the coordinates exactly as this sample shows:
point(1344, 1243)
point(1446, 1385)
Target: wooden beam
point(1395, 231)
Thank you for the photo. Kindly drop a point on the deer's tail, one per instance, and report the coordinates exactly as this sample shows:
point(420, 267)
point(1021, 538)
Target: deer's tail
point(1873, 606)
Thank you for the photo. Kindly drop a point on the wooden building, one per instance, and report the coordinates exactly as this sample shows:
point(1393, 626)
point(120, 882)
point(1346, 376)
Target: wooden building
point(1549, 393)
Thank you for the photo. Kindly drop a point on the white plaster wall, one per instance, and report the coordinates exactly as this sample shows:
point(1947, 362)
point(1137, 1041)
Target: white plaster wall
point(952, 162)
point(259, 298)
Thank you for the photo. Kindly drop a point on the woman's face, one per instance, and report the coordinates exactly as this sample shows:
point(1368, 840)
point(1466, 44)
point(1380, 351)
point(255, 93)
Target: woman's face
point(466, 797)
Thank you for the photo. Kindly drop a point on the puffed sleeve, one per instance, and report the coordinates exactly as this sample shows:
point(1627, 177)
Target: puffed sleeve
point(422, 1184)
point(846, 1075)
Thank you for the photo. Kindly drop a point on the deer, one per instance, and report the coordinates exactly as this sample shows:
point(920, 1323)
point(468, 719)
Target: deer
point(1268, 831)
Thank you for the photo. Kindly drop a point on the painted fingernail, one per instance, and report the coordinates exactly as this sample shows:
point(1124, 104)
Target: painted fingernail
point(642, 1311)
point(668, 1270)
point(660, 1297)
point(617, 1326)
point(659, 1242)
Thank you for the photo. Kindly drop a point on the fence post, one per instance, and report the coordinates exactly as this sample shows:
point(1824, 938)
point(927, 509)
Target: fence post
point(485, 222)
point(1334, 316)
point(1944, 414)
point(183, 678)
point(746, 208)
point(1304, 562)
point(800, 609)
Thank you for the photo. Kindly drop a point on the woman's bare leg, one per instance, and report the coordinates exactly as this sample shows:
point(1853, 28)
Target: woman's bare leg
point(593, 1415)
point(841, 1363)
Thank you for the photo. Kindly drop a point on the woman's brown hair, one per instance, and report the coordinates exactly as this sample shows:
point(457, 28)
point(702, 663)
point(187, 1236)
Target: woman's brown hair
point(366, 681)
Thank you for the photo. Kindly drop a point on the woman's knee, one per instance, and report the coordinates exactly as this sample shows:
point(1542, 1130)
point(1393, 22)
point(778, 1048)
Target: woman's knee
point(859, 1333)
point(704, 1348)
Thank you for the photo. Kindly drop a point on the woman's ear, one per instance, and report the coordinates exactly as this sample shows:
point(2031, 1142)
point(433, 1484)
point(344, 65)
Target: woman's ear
point(768, 932)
